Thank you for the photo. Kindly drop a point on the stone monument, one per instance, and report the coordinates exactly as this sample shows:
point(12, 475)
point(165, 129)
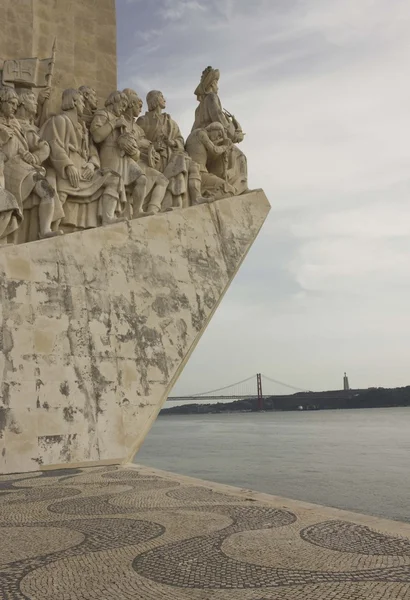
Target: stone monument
point(118, 239)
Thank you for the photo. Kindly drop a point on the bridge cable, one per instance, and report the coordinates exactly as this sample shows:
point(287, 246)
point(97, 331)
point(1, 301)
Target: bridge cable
point(292, 387)
point(222, 388)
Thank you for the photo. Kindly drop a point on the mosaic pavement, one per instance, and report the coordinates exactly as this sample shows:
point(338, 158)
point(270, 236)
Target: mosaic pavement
point(111, 533)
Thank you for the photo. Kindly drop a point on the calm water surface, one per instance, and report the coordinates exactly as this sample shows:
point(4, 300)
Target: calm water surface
point(351, 459)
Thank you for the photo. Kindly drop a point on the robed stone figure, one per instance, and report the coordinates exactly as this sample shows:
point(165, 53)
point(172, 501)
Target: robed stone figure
point(34, 213)
point(91, 196)
point(11, 214)
point(24, 175)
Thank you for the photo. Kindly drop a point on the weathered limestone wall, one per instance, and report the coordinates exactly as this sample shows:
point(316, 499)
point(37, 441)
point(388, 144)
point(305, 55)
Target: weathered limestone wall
point(86, 40)
point(96, 327)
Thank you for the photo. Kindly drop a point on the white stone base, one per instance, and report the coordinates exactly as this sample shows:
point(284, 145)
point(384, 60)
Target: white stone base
point(96, 327)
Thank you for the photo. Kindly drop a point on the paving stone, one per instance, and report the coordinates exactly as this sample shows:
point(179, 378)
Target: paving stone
point(125, 533)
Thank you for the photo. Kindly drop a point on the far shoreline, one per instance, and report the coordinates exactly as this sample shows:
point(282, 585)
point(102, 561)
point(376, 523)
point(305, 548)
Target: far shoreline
point(302, 402)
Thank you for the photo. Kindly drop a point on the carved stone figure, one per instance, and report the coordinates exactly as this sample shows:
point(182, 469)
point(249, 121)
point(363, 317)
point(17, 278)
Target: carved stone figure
point(11, 215)
point(118, 148)
point(210, 111)
point(90, 103)
point(88, 167)
point(174, 162)
point(91, 196)
point(24, 176)
point(205, 146)
point(26, 115)
point(156, 182)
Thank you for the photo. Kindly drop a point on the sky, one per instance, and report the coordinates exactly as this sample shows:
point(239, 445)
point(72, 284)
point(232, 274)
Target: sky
point(322, 90)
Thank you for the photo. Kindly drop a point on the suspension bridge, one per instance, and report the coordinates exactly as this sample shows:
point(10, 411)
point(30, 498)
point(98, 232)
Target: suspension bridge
point(256, 386)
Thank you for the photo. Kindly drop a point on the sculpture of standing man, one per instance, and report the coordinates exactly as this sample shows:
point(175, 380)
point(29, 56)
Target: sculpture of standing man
point(91, 196)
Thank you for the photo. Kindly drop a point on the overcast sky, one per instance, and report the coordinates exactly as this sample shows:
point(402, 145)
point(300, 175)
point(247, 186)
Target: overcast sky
point(322, 89)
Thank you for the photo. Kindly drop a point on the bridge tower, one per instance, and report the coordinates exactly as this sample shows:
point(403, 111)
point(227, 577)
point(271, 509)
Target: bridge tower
point(259, 389)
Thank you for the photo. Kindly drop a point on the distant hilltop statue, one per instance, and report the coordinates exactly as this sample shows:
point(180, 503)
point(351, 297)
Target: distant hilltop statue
point(346, 382)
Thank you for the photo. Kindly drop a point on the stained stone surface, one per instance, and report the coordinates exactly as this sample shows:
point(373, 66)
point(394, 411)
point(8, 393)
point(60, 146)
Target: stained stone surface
point(86, 40)
point(96, 326)
point(126, 533)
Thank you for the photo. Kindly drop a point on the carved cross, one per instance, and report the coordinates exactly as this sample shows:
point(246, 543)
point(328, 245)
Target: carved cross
point(19, 69)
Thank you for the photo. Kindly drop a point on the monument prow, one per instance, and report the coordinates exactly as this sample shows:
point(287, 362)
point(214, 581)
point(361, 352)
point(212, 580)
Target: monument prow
point(96, 327)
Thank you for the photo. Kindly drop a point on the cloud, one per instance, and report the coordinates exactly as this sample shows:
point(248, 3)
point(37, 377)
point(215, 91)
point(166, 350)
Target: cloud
point(175, 10)
point(322, 90)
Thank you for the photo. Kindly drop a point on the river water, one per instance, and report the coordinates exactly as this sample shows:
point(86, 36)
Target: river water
point(351, 459)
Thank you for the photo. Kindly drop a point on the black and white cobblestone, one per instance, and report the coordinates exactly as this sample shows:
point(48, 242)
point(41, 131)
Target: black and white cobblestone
point(116, 533)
